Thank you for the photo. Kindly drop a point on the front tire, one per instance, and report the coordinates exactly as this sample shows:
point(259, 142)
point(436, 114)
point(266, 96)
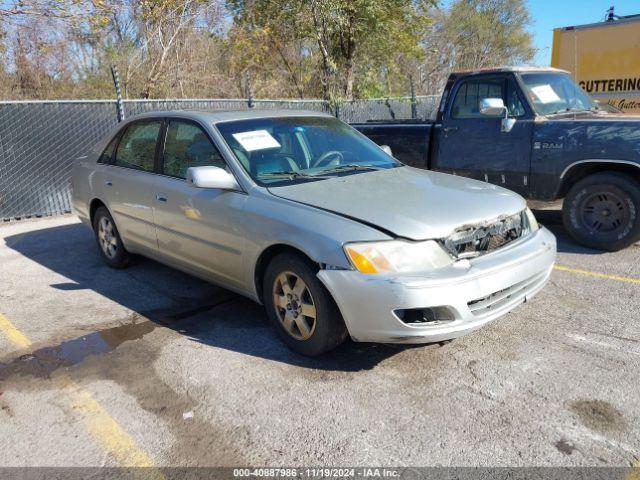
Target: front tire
point(602, 211)
point(108, 238)
point(300, 308)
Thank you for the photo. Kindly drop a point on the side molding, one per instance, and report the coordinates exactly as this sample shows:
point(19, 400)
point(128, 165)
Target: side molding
point(625, 162)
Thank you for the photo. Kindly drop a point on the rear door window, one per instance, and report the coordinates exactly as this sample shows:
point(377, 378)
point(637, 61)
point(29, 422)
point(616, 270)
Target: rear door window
point(187, 145)
point(109, 154)
point(137, 148)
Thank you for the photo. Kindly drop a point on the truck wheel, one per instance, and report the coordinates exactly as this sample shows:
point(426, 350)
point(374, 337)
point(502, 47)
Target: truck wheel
point(109, 242)
point(602, 211)
point(300, 307)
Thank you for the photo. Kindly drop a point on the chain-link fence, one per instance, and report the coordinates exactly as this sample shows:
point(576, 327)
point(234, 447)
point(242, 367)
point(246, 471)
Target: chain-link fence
point(135, 107)
point(40, 140)
point(419, 108)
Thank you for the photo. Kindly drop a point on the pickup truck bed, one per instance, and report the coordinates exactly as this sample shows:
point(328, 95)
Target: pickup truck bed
point(409, 140)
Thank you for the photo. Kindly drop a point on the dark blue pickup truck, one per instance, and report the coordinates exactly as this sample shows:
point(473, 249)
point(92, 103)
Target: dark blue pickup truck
point(534, 131)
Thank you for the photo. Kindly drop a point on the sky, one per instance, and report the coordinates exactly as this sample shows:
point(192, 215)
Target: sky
point(550, 14)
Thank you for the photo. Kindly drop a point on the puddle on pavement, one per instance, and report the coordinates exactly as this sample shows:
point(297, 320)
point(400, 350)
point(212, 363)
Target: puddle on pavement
point(195, 440)
point(44, 361)
point(41, 363)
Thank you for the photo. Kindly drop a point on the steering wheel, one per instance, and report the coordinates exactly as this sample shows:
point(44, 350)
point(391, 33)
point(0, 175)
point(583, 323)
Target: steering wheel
point(284, 162)
point(330, 158)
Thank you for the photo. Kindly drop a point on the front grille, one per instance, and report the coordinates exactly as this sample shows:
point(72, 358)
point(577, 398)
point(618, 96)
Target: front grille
point(475, 240)
point(501, 298)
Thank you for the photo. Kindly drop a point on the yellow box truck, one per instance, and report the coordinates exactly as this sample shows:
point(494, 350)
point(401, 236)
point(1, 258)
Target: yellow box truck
point(604, 59)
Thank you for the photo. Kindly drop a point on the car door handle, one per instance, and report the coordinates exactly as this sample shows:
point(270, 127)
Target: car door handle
point(161, 198)
point(449, 129)
point(108, 183)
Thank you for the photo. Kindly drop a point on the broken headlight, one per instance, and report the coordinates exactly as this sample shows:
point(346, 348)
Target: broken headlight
point(531, 221)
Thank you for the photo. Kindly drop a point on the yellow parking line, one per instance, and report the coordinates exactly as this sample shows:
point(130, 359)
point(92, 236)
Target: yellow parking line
point(104, 428)
point(98, 422)
point(605, 276)
point(15, 336)
point(634, 474)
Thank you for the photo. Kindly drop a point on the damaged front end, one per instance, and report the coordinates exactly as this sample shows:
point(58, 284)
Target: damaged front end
point(470, 241)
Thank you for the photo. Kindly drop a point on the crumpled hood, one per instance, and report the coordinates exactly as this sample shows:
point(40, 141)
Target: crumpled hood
point(406, 201)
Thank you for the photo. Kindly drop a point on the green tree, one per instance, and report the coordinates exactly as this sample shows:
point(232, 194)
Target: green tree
point(352, 40)
point(334, 49)
point(473, 34)
point(490, 32)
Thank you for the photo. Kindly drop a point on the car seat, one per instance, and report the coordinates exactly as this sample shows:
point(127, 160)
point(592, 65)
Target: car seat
point(269, 161)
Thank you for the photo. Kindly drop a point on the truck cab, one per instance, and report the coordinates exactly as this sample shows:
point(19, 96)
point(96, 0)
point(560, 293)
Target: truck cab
point(472, 143)
point(536, 132)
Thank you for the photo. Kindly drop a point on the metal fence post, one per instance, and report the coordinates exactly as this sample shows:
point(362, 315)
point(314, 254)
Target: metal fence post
point(414, 100)
point(248, 90)
point(116, 82)
point(391, 112)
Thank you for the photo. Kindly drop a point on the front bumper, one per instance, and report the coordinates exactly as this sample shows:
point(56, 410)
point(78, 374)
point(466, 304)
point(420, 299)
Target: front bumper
point(475, 292)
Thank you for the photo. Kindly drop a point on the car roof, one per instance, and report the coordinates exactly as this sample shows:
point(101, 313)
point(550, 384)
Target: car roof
point(518, 69)
point(215, 116)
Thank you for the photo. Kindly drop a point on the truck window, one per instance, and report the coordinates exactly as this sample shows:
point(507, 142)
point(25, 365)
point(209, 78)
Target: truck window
point(513, 103)
point(552, 93)
point(467, 101)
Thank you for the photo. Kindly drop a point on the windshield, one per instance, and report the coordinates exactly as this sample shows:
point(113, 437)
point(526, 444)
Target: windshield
point(553, 93)
point(297, 149)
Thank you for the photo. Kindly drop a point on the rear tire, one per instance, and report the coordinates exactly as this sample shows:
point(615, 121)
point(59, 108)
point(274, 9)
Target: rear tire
point(300, 308)
point(108, 238)
point(602, 211)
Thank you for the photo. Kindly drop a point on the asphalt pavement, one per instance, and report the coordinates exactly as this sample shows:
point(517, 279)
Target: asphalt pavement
point(150, 367)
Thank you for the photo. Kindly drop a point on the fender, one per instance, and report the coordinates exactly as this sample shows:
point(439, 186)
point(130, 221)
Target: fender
point(619, 162)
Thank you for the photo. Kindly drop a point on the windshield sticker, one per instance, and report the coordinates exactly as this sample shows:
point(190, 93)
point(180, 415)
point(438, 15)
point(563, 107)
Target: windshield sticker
point(545, 93)
point(256, 140)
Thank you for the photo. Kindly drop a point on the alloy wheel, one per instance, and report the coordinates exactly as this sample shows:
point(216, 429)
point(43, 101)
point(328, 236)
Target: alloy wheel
point(294, 305)
point(107, 237)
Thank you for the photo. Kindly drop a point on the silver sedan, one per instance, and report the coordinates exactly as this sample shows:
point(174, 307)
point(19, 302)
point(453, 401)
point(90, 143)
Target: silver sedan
point(300, 212)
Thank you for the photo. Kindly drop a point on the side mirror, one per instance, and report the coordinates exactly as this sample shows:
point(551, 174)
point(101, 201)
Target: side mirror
point(494, 107)
point(507, 124)
point(211, 177)
point(386, 149)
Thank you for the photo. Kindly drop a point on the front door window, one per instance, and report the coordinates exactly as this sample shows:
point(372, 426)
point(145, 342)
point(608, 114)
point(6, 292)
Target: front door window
point(187, 145)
